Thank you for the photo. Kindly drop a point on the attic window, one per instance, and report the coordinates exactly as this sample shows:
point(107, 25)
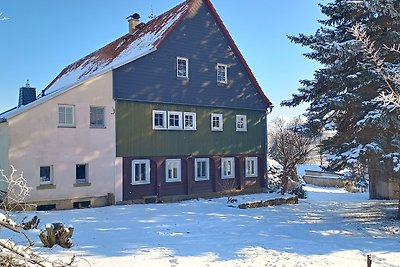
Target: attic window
point(182, 67)
point(222, 73)
point(66, 116)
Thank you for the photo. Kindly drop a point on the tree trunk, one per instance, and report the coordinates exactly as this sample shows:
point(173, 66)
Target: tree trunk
point(284, 182)
point(398, 207)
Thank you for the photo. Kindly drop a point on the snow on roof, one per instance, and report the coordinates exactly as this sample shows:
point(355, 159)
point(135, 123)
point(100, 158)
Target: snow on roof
point(301, 168)
point(121, 51)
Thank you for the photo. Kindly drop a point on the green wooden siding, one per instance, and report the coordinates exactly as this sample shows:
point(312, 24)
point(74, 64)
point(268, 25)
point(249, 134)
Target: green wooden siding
point(136, 138)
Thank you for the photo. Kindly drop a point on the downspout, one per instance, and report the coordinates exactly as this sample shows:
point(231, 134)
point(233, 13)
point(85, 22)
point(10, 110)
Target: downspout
point(267, 112)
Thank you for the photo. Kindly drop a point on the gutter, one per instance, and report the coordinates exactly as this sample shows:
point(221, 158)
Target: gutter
point(3, 120)
point(266, 148)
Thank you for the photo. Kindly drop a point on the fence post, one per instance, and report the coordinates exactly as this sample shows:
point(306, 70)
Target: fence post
point(369, 261)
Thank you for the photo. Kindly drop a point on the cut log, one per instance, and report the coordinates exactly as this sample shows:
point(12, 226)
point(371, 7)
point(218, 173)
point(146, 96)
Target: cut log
point(56, 234)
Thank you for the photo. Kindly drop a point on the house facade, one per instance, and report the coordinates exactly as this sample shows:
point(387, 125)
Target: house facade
point(171, 108)
point(66, 162)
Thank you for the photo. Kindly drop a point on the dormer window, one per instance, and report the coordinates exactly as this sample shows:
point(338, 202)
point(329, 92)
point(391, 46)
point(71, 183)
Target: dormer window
point(222, 73)
point(182, 67)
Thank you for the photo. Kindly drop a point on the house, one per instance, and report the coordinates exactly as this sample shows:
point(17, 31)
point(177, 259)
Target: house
point(170, 108)
point(381, 184)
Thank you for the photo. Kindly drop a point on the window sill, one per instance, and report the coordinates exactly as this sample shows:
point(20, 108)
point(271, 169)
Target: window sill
point(66, 126)
point(82, 184)
point(251, 176)
point(217, 130)
point(174, 181)
point(98, 127)
point(46, 186)
point(225, 178)
point(147, 183)
point(201, 179)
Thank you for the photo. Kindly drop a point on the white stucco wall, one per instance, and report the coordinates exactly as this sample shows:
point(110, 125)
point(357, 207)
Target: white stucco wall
point(36, 140)
point(4, 165)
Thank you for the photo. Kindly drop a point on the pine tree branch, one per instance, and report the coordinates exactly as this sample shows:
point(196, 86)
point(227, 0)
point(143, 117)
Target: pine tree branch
point(373, 54)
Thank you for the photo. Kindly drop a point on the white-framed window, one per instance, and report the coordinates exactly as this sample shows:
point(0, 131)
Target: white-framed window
point(66, 115)
point(81, 173)
point(46, 174)
point(241, 123)
point(97, 119)
point(189, 121)
point(251, 167)
point(173, 170)
point(140, 172)
point(182, 67)
point(222, 73)
point(227, 168)
point(174, 120)
point(217, 123)
point(201, 169)
point(159, 119)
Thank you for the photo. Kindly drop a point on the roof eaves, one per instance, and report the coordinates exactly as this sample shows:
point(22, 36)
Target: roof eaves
point(237, 51)
point(134, 59)
point(106, 70)
point(16, 111)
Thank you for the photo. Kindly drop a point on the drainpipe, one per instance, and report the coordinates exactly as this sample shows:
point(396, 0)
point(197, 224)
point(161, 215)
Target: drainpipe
point(267, 112)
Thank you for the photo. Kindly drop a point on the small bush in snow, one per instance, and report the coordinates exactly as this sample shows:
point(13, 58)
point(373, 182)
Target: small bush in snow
point(275, 172)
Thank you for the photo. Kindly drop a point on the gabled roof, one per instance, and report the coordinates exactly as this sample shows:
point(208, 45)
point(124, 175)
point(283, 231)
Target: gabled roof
point(133, 46)
point(128, 48)
point(121, 51)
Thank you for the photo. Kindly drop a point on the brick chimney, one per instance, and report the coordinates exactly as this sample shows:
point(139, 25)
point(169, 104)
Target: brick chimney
point(133, 21)
point(27, 94)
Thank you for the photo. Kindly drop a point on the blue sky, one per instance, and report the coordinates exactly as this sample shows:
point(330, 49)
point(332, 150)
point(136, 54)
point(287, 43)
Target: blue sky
point(39, 38)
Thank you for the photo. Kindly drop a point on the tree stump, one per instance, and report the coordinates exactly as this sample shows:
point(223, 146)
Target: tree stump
point(56, 234)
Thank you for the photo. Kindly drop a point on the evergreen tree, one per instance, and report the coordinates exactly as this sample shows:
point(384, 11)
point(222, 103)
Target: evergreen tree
point(344, 95)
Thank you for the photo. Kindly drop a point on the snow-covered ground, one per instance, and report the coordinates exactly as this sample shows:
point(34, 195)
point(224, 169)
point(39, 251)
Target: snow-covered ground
point(329, 228)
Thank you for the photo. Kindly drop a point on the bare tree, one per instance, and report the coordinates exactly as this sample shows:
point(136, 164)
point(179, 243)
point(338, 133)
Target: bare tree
point(289, 145)
point(12, 254)
point(17, 190)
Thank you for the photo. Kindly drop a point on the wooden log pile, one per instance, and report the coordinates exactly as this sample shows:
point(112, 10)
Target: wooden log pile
point(56, 234)
point(270, 202)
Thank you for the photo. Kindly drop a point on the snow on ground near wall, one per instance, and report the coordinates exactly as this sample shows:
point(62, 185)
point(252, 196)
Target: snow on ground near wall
point(329, 228)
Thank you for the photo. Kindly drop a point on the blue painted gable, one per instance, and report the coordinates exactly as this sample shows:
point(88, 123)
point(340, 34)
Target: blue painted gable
point(200, 38)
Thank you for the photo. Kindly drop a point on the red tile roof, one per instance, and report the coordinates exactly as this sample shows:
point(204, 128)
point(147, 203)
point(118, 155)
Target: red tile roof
point(133, 46)
point(121, 51)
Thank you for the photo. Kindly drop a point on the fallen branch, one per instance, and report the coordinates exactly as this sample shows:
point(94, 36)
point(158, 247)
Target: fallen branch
point(11, 225)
